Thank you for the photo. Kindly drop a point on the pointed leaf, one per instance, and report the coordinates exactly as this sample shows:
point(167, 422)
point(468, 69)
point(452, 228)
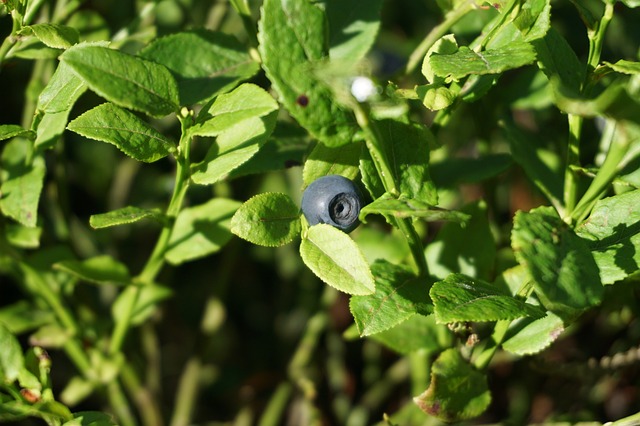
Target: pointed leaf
point(11, 357)
point(201, 230)
point(126, 80)
point(460, 298)
point(55, 35)
point(205, 63)
point(399, 295)
point(457, 390)
point(123, 216)
point(146, 297)
point(530, 336)
point(62, 91)
point(336, 260)
point(353, 27)
point(8, 131)
point(270, 219)
point(98, 270)
point(565, 273)
point(119, 127)
point(402, 207)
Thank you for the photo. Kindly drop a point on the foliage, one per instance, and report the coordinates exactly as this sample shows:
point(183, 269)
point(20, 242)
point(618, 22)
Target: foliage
point(498, 145)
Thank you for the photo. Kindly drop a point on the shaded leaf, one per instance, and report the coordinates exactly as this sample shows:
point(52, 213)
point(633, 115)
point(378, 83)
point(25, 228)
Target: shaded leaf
point(62, 91)
point(147, 297)
point(98, 270)
point(324, 160)
point(353, 27)
point(418, 332)
point(201, 230)
point(403, 207)
point(11, 357)
point(125, 215)
point(532, 335)
point(54, 35)
point(8, 131)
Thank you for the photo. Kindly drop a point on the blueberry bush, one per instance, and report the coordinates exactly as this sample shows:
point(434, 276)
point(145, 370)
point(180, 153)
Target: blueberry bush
point(159, 263)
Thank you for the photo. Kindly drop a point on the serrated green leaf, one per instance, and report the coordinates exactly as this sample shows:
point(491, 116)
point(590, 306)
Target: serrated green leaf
point(246, 102)
point(624, 66)
point(270, 219)
point(323, 160)
point(612, 232)
point(205, 63)
point(403, 207)
point(201, 230)
point(298, 28)
point(566, 276)
point(21, 182)
point(98, 270)
point(353, 27)
point(336, 260)
point(465, 61)
point(460, 298)
point(446, 45)
point(457, 390)
point(54, 35)
point(146, 297)
point(233, 148)
point(126, 80)
point(418, 332)
point(467, 248)
point(125, 215)
point(399, 295)
point(532, 335)
point(119, 127)
point(11, 357)
point(62, 91)
point(8, 131)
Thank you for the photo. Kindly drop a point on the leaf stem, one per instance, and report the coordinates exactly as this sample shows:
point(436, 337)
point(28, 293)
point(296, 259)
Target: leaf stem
point(573, 160)
point(499, 332)
point(450, 19)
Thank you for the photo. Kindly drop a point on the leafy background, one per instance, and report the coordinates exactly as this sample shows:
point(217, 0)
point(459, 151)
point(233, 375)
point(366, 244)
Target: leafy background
point(237, 317)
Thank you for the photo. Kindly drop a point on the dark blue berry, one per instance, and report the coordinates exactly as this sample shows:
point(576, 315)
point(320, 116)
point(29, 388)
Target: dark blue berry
point(334, 200)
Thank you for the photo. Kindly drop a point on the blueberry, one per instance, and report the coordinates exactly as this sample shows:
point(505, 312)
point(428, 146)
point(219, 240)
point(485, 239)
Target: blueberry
point(334, 200)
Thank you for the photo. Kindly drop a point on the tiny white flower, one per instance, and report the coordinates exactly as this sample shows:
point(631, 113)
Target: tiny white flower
point(362, 88)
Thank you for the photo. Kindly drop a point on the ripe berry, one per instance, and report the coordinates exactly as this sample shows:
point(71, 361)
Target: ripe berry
point(334, 200)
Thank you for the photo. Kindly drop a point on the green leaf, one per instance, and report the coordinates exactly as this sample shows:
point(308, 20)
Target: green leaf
point(298, 28)
point(625, 67)
point(436, 96)
point(631, 3)
point(8, 131)
point(76, 390)
point(446, 45)
point(123, 216)
point(353, 27)
point(460, 298)
point(469, 248)
point(54, 35)
point(50, 336)
point(62, 91)
point(612, 232)
point(23, 316)
point(91, 418)
point(566, 276)
point(204, 63)
point(21, 182)
point(201, 230)
point(98, 270)
point(451, 172)
point(323, 160)
point(491, 61)
point(336, 260)
point(530, 336)
point(407, 148)
point(23, 236)
point(11, 358)
point(399, 295)
point(246, 102)
point(119, 127)
point(558, 61)
point(126, 80)
point(402, 207)
point(50, 128)
point(147, 299)
point(457, 390)
point(270, 219)
point(537, 163)
point(418, 332)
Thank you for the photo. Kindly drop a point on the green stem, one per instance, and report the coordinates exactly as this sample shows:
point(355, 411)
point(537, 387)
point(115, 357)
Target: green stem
point(450, 19)
point(186, 396)
point(573, 160)
point(596, 38)
point(499, 332)
point(120, 404)
point(146, 404)
point(272, 415)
